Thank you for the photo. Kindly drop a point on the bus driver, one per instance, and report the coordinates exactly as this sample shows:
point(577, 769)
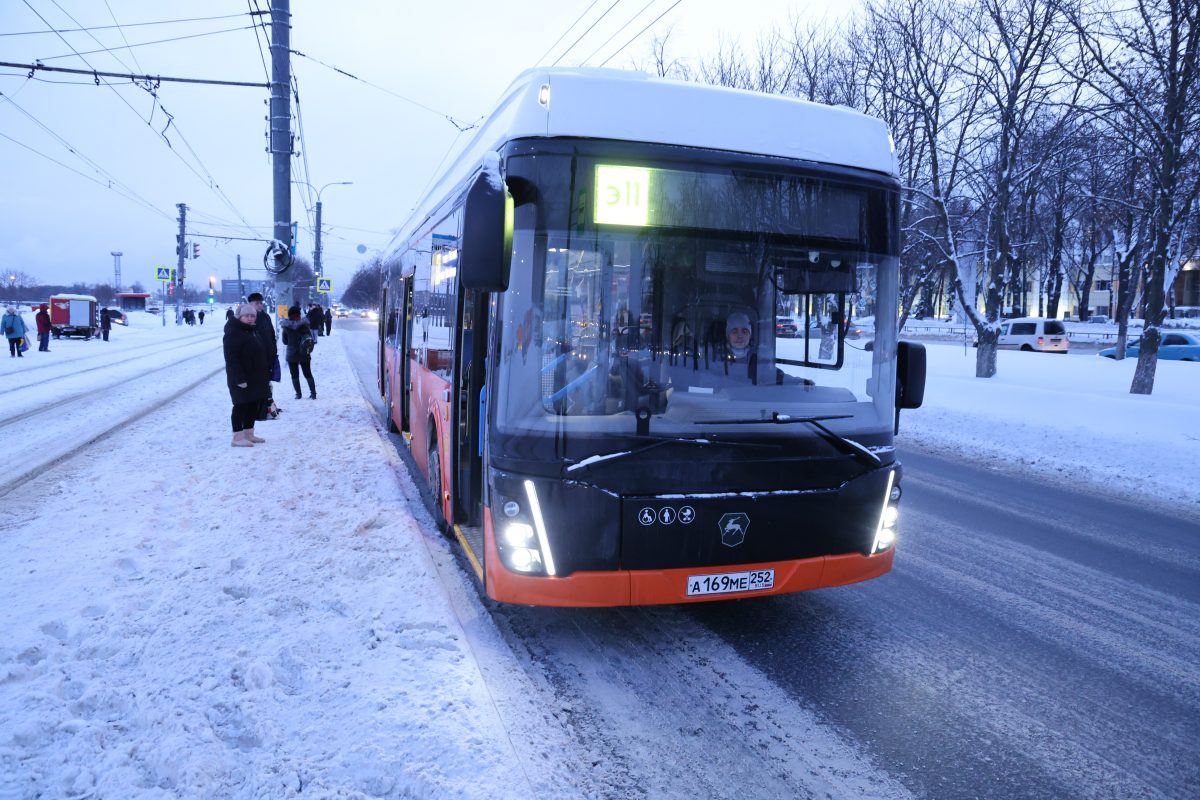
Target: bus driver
point(737, 338)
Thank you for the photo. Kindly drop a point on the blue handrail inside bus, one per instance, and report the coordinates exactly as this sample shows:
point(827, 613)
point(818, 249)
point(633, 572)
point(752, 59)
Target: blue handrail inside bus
point(556, 361)
point(572, 385)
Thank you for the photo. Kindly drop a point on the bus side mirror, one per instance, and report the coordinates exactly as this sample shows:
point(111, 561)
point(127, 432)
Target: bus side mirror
point(910, 375)
point(486, 236)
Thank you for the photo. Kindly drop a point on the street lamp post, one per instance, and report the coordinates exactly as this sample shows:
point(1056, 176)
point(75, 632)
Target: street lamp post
point(317, 234)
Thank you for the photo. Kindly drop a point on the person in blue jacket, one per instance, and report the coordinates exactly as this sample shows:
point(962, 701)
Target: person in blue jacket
point(13, 328)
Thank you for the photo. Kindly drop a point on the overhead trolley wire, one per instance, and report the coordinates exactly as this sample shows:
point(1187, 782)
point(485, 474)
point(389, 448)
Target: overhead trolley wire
point(339, 70)
point(127, 25)
point(153, 91)
point(639, 33)
point(618, 30)
point(151, 79)
point(147, 44)
point(123, 37)
point(585, 33)
point(258, 34)
point(563, 35)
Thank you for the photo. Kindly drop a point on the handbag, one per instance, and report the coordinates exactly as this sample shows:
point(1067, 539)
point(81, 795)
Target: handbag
point(24, 344)
point(276, 373)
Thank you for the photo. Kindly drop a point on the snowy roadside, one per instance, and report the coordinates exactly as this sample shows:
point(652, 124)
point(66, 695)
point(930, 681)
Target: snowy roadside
point(1066, 419)
point(178, 615)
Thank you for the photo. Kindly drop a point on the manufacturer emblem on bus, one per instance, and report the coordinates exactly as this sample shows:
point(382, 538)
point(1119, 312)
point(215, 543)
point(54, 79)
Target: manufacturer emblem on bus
point(733, 528)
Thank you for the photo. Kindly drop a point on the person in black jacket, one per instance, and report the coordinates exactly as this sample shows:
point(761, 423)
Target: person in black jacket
point(105, 323)
point(328, 320)
point(316, 319)
point(266, 332)
point(299, 339)
point(246, 373)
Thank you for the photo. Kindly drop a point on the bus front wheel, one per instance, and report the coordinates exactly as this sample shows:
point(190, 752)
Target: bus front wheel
point(435, 483)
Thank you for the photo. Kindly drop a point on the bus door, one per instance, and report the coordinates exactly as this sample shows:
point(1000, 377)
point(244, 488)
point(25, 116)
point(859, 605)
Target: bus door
point(470, 373)
point(403, 351)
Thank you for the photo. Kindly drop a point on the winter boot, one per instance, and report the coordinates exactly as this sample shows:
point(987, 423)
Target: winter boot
point(298, 395)
point(313, 394)
point(250, 437)
point(239, 440)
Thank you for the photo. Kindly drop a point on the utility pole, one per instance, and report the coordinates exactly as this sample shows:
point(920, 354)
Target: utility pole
point(116, 254)
point(179, 271)
point(281, 143)
point(317, 250)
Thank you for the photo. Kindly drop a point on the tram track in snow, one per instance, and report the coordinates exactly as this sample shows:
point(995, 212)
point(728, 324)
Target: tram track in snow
point(158, 350)
point(91, 392)
point(35, 457)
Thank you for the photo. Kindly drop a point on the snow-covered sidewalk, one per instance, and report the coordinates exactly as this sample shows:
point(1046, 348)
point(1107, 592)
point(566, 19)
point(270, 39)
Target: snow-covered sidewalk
point(187, 619)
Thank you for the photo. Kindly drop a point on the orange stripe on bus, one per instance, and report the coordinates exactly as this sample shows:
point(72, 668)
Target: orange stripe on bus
point(656, 587)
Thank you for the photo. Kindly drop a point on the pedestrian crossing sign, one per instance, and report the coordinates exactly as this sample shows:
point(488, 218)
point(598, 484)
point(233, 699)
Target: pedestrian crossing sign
point(164, 273)
point(324, 284)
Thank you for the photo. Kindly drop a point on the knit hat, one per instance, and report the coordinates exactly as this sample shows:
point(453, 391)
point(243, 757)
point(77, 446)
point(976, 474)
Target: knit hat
point(11, 310)
point(245, 309)
point(294, 312)
point(43, 307)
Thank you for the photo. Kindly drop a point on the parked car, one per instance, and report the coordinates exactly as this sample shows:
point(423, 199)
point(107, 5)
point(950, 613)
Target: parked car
point(1034, 333)
point(1175, 346)
point(1100, 318)
point(117, 317)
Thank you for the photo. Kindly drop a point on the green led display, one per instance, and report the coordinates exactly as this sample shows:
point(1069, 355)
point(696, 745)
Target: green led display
point(622, 195)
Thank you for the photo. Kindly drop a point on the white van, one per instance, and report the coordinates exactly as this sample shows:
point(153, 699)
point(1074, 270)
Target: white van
point(1034, 333)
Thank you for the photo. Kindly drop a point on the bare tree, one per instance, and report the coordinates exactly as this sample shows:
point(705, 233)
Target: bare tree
point(1142, 61)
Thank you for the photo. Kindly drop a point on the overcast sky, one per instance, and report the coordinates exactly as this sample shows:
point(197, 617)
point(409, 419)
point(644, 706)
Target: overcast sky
point(88, 169)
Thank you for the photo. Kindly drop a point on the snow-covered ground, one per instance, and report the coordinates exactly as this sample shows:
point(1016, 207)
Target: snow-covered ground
point(185, 619)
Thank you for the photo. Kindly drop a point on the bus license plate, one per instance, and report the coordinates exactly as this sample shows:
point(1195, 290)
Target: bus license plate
point(725, 582)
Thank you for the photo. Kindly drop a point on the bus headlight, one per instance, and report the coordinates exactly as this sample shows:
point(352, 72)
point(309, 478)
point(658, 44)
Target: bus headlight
point(524, 559)
point(885, 531)
point(521, 532)
point(518, 534)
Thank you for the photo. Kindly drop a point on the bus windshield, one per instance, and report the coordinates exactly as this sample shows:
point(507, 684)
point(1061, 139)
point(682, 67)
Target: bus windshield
point(712, 296)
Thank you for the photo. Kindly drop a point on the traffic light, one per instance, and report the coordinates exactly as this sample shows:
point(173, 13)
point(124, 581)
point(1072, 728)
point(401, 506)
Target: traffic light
point(178, 243)
point(195, 249)
point(212, 282)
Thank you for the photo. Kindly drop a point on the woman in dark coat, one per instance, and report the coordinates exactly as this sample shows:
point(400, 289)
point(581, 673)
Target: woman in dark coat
point(299, 338)
point(246, 373)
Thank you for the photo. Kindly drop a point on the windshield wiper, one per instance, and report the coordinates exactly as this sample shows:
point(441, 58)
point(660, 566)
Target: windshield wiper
point(848, 446)
point(591, 461)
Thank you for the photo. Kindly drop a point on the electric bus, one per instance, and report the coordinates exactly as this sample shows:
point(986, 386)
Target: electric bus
point(641, 341)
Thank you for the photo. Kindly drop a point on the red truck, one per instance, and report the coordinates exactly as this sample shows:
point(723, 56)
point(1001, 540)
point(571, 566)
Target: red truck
point(73, 315)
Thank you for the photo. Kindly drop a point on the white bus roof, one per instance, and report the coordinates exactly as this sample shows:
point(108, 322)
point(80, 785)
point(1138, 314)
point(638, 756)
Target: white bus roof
point(637, 107)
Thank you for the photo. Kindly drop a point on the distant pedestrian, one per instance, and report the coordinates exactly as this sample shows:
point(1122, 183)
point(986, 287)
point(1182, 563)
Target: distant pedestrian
point(328, 320)
point(316, 319)
point(300, 340)
point(246, 373)
point(266, 332)
point(105, 323)
point(201, 316)
point(13, 328)
point(229, 314)
point(43, 327)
